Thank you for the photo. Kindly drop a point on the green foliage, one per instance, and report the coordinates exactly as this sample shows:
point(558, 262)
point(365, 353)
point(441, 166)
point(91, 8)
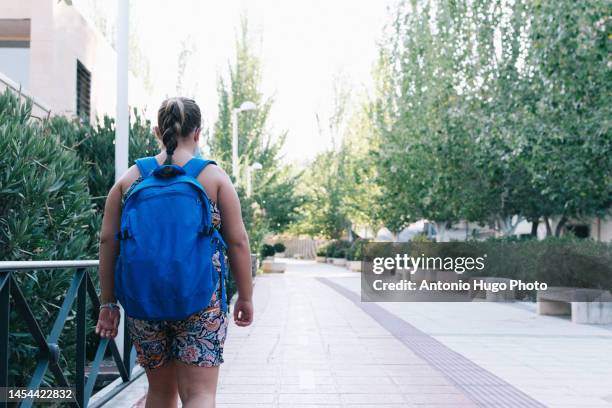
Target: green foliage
point(279, 247)
point(337, 248)
point(267, 250)
point(356, 250)
point(339, 186)
point(45, 207)
point(322, 250)
point(420, 238)
point(362, 194)
point(561, 262)
point(272, 206)
point(322, 212)
point(45, 213)
point(57, 175)
point(96, 148)
point(494, 114)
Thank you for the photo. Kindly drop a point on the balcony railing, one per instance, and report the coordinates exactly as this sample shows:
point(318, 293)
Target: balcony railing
point(49, 353)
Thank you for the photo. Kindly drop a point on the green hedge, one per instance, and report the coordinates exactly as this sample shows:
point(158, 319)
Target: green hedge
point(53, 182)
point(334, 249)
point(267, 250)
point(555, 261)
point(355, 251)
point(45, 213)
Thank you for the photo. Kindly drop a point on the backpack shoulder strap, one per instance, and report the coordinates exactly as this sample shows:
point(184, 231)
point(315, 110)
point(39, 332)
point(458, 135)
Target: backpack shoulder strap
point(194, 167)
point(146, 165)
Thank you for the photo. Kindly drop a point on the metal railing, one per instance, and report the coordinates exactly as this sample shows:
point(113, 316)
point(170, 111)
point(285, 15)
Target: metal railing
point(49, 354)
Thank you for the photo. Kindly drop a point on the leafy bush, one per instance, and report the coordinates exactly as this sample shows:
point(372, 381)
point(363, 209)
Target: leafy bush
point(54, 180)
point(420, 238)
point(322, 250)
point(338, 248)
point(267, 250)
point(45, 213)
point(556, 261)
point(279, 247)
point(356, 250)
point(96, 148)
point(45, 205)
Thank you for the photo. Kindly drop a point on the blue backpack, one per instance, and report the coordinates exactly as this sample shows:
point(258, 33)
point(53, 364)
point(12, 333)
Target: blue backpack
point(165, 269)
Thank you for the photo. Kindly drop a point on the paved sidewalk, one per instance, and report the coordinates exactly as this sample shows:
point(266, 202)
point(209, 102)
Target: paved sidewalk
point(554, 361)
point(313, 344)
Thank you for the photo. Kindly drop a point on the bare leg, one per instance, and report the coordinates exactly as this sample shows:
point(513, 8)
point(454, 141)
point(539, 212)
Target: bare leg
point(197, 386)
point(163, 389)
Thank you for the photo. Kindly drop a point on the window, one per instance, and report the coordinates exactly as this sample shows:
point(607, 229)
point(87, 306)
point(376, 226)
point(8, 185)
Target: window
point(15, 50)
point(83, 87)
point(579, 231)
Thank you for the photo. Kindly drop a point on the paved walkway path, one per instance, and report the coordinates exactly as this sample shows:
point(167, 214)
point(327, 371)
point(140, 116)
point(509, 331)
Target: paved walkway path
point(314, 344)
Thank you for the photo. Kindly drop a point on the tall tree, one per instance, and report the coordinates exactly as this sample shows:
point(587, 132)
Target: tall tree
point(494, 111)
point(273, 201)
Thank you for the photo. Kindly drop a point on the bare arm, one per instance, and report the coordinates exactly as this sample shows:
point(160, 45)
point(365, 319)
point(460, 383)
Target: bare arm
point(109, 248)
point(238, 250)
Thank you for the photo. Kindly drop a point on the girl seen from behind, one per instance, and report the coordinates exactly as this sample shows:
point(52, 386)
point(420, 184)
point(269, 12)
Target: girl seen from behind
point(168, 222)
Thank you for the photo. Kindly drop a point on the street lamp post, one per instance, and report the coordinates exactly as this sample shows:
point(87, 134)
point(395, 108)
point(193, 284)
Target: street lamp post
point(246, 106)
point(122, 122)
point(122, 127)
point(253, 167)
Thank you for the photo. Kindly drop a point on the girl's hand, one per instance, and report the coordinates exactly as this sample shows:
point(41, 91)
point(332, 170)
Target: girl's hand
point(243, 312)
point(108, 322)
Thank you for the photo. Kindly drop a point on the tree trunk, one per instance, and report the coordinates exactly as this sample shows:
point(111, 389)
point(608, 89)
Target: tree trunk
point(506, 226)
point(560, 226)
point(548, 229)
point(534, 228)
point(441, 228)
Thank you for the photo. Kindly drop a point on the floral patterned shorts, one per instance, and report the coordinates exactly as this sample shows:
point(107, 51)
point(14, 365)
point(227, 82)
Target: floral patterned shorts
point(196, 340)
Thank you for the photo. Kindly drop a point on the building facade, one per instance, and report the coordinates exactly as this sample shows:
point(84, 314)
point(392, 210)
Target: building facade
point(55, 55)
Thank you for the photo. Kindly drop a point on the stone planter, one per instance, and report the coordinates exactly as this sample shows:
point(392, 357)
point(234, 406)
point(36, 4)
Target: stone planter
point(354, 266)
point(320, 259)
point(329, 260)
point(269, 266)
point(339, 261)
point(279, 254)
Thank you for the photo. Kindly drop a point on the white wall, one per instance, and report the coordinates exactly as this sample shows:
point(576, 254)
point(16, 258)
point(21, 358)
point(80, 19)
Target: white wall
point(601, 229)
point(60, 35)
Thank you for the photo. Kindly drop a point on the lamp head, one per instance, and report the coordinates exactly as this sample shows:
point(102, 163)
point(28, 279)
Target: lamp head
point(247, 106)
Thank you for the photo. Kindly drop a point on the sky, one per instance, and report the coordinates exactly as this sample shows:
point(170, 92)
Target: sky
point(304, 47)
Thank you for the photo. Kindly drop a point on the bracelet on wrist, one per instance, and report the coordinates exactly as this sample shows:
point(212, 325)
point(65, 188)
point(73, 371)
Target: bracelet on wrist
point(109, 305)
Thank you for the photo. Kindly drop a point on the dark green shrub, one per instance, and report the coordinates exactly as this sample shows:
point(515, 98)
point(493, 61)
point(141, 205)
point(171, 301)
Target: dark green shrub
point(322, 250)
point(50, 171)
point(267, 250)
point(45, 213)
point(279, 247)
point(338, 248)
point(356, 250)
point(555, 261)
point(45, 206)
point(420, 238)
point(95, 146)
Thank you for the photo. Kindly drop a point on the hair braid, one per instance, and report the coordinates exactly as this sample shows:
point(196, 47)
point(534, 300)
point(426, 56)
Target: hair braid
point(177, 117)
